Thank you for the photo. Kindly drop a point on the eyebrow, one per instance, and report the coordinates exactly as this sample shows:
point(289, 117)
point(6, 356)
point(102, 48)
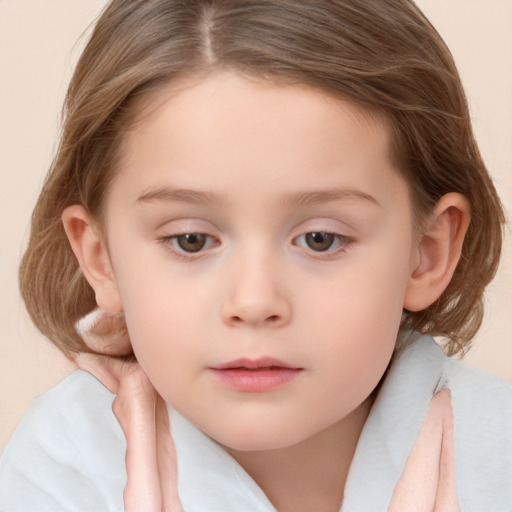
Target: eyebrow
point(179, 195)
point(294, 199)
point(309, 198)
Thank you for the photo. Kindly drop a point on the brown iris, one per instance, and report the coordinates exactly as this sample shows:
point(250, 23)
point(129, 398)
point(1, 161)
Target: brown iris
point(319, 240)
point(191, 242)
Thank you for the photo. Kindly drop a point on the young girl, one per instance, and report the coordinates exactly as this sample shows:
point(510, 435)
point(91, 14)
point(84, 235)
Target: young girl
point(258, 215)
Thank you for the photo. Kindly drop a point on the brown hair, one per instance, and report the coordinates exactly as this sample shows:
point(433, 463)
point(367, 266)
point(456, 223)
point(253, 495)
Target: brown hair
point(383, 55)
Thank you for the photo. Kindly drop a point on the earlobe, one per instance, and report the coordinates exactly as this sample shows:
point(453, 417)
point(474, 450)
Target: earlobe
point(91, 252)
point(438, 252)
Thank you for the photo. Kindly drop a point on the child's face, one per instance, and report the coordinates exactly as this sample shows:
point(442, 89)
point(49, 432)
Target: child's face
point(300, 249)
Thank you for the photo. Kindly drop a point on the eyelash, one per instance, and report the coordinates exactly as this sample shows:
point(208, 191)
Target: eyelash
point(344, 243)
point(171, 243)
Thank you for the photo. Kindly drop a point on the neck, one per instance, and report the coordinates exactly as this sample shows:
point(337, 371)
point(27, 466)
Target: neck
point(310, 475)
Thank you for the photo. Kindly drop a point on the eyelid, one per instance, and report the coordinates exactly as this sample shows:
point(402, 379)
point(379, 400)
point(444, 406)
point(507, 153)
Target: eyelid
point(344, 242)
point(172, 230)
point(169, 242)
point(180, 225)
point(340, 230)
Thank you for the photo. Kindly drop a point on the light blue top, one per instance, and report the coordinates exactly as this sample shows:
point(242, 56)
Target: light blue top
point(67, 454)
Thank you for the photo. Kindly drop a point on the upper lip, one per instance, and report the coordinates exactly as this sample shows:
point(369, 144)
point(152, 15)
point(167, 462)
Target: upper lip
point(253, 364)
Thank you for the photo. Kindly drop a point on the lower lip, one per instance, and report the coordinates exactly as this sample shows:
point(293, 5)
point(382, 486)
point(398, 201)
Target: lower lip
point(256, 381)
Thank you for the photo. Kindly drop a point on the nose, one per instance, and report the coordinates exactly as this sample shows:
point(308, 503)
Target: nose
point(256, 295)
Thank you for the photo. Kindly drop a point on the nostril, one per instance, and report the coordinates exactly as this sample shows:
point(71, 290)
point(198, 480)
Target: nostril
point(259, 311)
point(271, 319)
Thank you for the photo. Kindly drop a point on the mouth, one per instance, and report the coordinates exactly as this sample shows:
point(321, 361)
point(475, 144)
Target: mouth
point(255, 375)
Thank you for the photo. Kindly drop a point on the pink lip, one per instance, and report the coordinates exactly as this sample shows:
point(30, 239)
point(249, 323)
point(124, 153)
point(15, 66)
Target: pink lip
point(255, 375)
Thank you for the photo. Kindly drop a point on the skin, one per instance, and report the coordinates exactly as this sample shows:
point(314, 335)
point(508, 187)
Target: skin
point(260, 163)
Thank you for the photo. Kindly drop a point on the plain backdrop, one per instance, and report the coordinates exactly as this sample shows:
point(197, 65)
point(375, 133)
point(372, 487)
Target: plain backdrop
point(38, 49)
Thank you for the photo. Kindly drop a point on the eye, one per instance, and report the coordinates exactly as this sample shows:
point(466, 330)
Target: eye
point(319, 241)
point(189, 242)
point(323, 241)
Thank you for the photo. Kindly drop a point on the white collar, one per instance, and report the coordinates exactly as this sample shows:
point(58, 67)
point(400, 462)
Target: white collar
point(209, 479)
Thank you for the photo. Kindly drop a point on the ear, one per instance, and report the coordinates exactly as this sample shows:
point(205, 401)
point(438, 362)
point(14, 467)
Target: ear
point(91, 252)
point(438, 252)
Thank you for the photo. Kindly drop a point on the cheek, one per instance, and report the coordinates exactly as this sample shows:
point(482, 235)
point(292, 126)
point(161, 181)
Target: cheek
point(359, 321)
point(365, 296)
point(168, 323)
point(161, 318)
point(164, 348)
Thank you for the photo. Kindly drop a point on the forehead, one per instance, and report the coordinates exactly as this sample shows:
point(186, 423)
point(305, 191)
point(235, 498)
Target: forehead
point(225, 131)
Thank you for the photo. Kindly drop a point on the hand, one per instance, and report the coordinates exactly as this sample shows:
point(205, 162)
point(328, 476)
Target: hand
point(142, 414)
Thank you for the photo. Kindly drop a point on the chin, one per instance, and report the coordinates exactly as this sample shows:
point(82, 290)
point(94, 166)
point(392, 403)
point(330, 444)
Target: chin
point(254, 439)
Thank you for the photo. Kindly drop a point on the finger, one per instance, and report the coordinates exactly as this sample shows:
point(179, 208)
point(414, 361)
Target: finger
point(106, 369)
point(137, 419)
point(99, 367)
point(166, 455)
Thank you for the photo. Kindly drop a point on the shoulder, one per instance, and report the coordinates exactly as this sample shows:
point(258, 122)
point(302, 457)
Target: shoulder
point(67, 453)
point(480, 401)
point(482, 410)
point(482, 419)
point(478, 393)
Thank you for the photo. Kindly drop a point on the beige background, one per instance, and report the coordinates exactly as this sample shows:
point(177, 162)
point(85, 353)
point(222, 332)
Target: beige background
point(37, 54)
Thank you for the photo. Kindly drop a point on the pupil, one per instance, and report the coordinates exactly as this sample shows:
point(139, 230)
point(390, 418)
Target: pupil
point(320, 241)
point(191, 242)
